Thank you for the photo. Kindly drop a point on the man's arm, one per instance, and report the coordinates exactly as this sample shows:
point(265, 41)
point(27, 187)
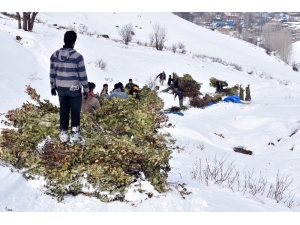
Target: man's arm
point(82, 73)
point(109, 96)
point(52, 73)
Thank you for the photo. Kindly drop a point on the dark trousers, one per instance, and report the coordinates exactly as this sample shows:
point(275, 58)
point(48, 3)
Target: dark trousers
point(69, 101)
point(175, 91)
point(181, 102)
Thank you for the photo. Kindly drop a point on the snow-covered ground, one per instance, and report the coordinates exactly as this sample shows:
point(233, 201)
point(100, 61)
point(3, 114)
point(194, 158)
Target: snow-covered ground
point(271, 117)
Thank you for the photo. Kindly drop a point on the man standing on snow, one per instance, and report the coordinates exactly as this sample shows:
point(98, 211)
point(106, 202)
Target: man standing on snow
point(176, 86)
point(162, 77)
point(67, 77)
point(170, 80)
point(181, 95)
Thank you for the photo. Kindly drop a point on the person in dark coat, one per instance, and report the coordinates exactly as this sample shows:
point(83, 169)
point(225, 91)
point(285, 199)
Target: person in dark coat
point(162, 77)
point(176, 86)
point(121, 86)
point(134, 91)
point(170, 80)
point(129, 85)
point(218, 86)
point(181, 95)
point(103, 93)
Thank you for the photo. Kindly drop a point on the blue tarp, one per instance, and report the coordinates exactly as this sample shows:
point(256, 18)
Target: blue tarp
point(220, 24)
point(230, 23)
point(209, 104)
point(233, 98)
point(177, 113)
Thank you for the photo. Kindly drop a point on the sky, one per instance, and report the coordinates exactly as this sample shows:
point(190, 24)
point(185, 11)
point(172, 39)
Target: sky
point(155, 6)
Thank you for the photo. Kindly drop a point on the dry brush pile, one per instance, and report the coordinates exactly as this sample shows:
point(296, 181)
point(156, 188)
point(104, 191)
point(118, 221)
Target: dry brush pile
point(121, 143)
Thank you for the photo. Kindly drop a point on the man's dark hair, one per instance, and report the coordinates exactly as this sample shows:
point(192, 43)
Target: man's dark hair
point(105, 85)
point(91, 85)
point(70, 37)
point(117, 85)
point(130, 79)
point(121, 85)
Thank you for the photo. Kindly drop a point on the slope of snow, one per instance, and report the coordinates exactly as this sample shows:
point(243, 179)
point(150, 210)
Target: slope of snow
point(272, 115)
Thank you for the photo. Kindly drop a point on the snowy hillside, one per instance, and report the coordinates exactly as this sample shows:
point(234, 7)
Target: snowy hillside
point(266, 126)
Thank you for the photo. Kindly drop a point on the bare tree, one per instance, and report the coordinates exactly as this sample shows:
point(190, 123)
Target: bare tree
point(185, 15)
point(248, 19)
point(174, 47)
point(239, 28)
point(181, 45)
point(19, 20)
point(25, 19)
point(276, 38)
point(284, 45)
point(126, 32)
point(82, 29)
point(158, 36)
point(277, 190)
point(151, 82)
point(31, 21)
point(28, 21)
point(245, 35)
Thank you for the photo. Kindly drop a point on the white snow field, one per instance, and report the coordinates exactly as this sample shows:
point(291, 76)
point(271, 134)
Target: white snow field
point(265, 125)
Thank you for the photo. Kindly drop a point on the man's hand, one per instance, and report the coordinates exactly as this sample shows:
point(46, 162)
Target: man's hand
point(85, 94)
point(53, 91)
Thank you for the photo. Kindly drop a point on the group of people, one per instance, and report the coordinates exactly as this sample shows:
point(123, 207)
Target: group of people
point(96, 100)
point(177, 92)
point(67, 79)
point(162, 78)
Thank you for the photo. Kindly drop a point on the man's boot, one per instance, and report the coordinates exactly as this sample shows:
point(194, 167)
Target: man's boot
point(64, 136)
point(75, 135)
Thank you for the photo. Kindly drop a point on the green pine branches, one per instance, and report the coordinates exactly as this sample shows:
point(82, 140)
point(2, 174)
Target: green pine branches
point(121, 141)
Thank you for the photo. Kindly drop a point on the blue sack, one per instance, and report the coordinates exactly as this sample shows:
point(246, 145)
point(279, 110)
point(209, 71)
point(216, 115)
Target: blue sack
point(209, 104)
point(178, 113)
point(232, 98)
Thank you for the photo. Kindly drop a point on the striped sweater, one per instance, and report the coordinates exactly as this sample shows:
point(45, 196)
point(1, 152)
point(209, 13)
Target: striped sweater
point(67, 69)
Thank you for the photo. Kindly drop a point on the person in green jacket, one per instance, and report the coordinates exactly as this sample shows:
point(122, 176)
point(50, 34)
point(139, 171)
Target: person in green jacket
point(129, 85)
